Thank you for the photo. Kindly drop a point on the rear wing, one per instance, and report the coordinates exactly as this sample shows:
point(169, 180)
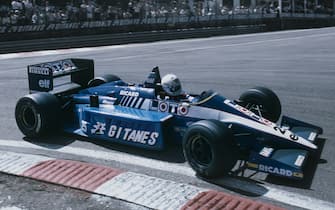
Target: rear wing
point(41, 76)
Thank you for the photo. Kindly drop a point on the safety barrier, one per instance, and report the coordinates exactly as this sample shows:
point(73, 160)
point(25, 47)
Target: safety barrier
point(122, 38)
point(97, 33)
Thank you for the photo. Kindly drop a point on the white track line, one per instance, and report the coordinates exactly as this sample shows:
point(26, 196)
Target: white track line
point(283, 196)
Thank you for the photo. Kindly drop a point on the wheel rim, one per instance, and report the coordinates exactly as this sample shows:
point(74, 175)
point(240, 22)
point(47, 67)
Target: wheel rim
point(201, 150)
point(28, 116)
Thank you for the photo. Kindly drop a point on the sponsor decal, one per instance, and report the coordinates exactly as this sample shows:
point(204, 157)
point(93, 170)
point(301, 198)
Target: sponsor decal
point(59, 66)
point(62, 26)
point(38, 70)
point(283, 131)
point(124, 22)
point(173, 108)
point(44, 83)
point(26, 28)
point(266, 151)
point(133, 135)
point(275, 170)
point(183, 110)
point(279, 130)
point(312, 136)
point(300, 159)
point(292, 136)
point(252, 165)
point(163, 107)
point(299, 175)
point(129, 93)
point(105, 24)
point(249, 113)
point(83, 126)
point(99, 128)
point(96, 24)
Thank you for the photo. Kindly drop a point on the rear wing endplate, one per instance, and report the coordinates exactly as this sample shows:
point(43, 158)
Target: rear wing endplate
point(41, 76)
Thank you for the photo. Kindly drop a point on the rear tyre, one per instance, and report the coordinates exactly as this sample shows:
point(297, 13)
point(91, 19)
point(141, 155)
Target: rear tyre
point(38, 114)
point(209, 148)
point(102, 80)
point(263, 98)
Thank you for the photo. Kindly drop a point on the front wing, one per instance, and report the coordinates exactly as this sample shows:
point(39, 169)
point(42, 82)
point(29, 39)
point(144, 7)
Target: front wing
point(286, 162)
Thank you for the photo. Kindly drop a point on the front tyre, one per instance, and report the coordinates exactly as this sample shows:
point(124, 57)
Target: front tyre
point(209, 148)
point(38, 114)
point(263, 102)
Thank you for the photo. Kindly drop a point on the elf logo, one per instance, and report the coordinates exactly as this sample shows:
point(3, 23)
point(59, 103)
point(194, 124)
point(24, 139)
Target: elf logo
point(44, 83)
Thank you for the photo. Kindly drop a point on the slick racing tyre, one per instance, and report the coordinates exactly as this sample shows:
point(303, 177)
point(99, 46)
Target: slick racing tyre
point(262, 101)
point(209, 148)
point(102, 80)
point(38, 114)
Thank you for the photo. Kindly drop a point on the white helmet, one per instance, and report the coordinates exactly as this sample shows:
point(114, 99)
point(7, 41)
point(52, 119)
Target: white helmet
point(171, 85)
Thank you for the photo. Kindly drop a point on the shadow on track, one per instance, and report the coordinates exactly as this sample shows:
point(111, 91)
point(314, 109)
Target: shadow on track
point(171, 153)
point(242, 185)
point(50, 142)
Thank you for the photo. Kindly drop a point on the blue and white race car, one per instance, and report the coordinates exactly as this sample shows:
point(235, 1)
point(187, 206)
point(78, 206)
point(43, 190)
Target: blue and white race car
point(215, 132)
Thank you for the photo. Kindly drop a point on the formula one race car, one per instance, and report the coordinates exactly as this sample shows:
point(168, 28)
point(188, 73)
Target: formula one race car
point(215, 132)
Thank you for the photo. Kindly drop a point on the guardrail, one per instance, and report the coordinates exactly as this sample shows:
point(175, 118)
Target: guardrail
point(123, 38)
point(97, 33)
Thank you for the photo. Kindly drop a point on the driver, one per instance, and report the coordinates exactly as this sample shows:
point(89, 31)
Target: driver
point(172, 87)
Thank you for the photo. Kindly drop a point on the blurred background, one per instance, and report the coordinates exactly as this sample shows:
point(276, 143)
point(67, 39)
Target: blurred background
point(18, 12)
point(110, 22)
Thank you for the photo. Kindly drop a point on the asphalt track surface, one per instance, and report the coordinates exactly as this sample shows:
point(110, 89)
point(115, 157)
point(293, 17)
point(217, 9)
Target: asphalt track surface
point(298, 65)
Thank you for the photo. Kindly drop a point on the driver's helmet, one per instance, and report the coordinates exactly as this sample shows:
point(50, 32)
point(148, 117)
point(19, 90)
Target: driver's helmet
point(171, 85)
